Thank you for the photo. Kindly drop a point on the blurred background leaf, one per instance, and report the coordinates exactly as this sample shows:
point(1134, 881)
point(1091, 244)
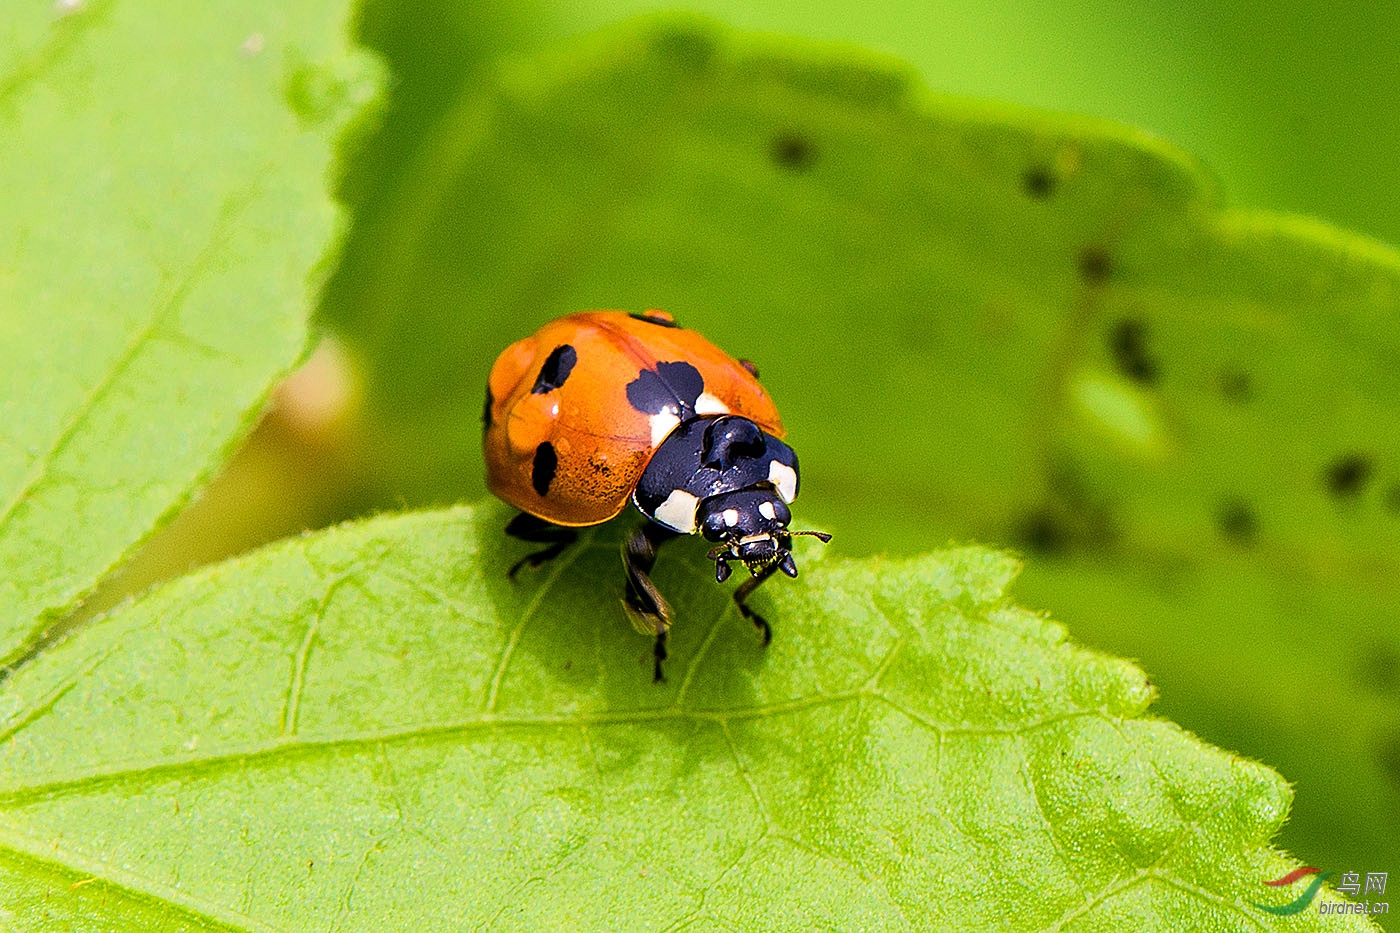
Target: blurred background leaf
point(153, 263)
point(1194, 411)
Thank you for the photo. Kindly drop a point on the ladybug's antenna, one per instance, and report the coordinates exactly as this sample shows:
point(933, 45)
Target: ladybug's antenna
point(821, 536)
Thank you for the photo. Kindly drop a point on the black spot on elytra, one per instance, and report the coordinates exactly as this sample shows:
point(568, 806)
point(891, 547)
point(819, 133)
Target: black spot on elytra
point(1095, 265)
point(555, 371)
point(751, 366)
point(793, 151)
point(542, 469)
point(1234, 385)
point(1038, 182)
point(1347, 475)
point(486, 409)
point(1128, 343)
point(652, 318)
point(672, 387)
point(1042, 533)
point(1237, 522)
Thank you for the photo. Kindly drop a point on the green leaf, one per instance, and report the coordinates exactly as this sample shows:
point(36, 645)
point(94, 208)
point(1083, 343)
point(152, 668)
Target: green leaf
point(164, 180)
point(980, 324)
point(373, 728)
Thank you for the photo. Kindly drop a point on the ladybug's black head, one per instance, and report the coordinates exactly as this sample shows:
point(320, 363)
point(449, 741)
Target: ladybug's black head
point(750, 526)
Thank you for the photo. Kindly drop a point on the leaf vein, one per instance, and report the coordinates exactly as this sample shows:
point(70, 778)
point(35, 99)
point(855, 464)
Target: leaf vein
point(555, 572)
point(64, 37)
point(292, 705)
point(71, 862)
point(279, 746)
point(699, 656)
point(44, 465)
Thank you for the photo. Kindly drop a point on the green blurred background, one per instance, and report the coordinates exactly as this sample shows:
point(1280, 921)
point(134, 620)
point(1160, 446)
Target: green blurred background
point(1290, 105)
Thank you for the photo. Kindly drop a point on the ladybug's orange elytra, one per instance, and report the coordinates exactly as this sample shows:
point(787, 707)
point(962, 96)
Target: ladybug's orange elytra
point(602, 406)
point(559, 411)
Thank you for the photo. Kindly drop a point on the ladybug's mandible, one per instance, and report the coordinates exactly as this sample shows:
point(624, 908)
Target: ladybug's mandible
point(597, 407)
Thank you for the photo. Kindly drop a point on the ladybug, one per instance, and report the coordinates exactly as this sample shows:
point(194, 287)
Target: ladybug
point(600, 407)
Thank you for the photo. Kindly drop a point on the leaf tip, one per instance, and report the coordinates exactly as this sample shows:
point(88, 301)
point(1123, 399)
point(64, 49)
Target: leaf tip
point(1263, 802)
point(1129, 691)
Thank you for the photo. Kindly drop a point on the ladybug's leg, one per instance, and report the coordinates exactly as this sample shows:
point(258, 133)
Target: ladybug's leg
point(527, 527)
point(742, 594)
point(648, 609)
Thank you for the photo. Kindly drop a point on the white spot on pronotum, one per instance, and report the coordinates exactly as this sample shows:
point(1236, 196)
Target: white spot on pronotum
point(784, 478)
point(678, 511)
point(731, 517)
point(708, 404)
point(254, 44)
point(766, 510)
point(661, 427)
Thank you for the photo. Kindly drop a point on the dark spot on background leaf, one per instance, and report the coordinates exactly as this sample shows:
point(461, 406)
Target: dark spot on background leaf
point(1095, 265)
point(1378, 668)
point(749, 365)
point(1347, 475)
point(1235, 385)
point(1078, 513)
point(555, 370)
point(793, 151)
point(1388, 757)
point(542, 469)
point(1237, 522)
point(486, 409)
point(1038, 182)
point(691, 49)
point(1392, 498)
point(1042, 533)
point(1127, 342)
point(1067, 483)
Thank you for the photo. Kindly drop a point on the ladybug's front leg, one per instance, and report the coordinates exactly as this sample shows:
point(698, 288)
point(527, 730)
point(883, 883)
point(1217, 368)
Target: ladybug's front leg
point(647, 608)
point(741, 596)
point(526, 527)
